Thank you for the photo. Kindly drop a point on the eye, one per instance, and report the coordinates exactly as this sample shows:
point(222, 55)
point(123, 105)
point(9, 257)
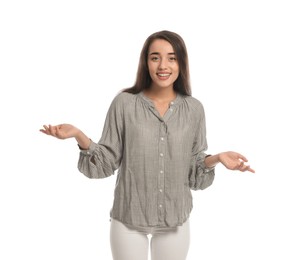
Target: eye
point(154, 58)
point(172, 58)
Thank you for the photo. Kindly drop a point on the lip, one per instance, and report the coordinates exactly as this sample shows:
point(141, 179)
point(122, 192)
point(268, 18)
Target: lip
point(163, 73)
point(163, 76)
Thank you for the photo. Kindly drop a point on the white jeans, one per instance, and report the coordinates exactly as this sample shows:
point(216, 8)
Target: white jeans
point(133, 244)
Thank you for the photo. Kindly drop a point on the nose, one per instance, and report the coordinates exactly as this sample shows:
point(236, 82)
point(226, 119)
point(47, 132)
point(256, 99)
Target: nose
point(163, 64)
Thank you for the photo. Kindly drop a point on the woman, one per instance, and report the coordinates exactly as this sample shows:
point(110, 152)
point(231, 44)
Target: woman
point(155, 135)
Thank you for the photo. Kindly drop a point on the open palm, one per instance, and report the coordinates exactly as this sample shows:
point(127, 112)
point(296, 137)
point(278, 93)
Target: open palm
point(234, 161)
point(62, 131)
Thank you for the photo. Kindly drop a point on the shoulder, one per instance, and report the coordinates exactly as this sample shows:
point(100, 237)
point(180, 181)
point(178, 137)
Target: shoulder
point(122, 99)
point(194, 104)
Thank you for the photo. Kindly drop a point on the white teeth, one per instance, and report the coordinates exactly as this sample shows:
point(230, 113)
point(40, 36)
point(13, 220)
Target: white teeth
point(163, 75)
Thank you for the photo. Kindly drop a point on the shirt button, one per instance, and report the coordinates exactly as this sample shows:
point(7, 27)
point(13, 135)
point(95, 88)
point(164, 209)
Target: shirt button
point(172, 103)
point(162, 138)
point(161, 154)
point(88, 152)
point(171, 109)
point(160, 190)
point(160, 205)
point(161, 171)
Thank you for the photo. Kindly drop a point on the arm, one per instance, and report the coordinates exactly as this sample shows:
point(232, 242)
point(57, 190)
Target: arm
point(201, 175)
point(97, 160)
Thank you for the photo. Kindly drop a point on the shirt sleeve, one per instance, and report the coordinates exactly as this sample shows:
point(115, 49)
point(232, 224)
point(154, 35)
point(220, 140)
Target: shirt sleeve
point(200, 176)
point(103, 158)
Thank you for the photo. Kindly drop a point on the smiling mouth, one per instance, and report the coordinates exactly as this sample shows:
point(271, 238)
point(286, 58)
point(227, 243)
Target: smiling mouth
point(163, 74)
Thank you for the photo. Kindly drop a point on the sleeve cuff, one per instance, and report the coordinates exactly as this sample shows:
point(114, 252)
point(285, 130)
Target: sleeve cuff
point(202, 166)
point(90, 150)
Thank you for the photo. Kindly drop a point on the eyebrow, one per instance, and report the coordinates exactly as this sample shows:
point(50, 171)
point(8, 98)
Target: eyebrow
point(157, 53)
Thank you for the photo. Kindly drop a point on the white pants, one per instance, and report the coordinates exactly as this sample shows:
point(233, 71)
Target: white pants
point(133, 244)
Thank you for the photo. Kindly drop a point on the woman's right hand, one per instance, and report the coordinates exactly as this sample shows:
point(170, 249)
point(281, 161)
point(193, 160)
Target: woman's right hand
point(62, 131)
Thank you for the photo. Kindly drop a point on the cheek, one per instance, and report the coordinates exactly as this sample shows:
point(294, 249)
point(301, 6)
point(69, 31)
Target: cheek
point(150, 66)
point(150, 70)
point(176, 75)
point(176, 69)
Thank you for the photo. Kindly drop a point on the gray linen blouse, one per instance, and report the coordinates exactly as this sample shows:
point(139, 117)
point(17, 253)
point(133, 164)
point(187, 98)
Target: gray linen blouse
point(159, 159)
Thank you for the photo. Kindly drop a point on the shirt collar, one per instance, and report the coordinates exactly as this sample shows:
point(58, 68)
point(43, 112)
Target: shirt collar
point(151, 103)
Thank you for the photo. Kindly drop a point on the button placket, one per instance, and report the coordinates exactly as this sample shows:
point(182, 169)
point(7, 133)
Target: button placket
point(161, 175)
point(170, 111)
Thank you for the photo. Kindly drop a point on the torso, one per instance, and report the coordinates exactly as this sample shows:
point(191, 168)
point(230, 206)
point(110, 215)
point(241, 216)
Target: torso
point(161, 108)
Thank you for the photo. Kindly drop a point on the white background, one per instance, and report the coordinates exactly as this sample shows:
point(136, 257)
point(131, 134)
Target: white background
point(64, 61)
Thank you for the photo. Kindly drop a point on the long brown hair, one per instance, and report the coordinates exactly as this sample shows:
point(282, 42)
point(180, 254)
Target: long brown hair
point(143, 79)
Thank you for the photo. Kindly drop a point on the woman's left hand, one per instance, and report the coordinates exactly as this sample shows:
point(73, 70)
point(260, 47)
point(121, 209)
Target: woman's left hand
point(234, 161)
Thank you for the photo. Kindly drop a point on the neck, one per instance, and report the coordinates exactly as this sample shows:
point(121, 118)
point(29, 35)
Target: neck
point(160, 94)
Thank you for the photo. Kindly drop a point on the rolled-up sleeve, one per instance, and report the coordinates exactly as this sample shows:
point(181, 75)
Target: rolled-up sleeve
point(200, 176)
point(103, 158)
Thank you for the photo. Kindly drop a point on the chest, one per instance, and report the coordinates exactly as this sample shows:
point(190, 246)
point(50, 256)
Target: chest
point(161, 108)
point(146, 126)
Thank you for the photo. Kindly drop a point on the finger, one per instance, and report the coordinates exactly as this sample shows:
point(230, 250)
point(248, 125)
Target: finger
point(241, 165)
point(251, 170)
point(52, 130)
point(45, 130)
point(242, 157)
point(247, 168)
point(244, 168)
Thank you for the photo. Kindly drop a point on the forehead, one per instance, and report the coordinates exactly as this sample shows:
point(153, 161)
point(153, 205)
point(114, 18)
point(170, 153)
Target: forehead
point(161, 46)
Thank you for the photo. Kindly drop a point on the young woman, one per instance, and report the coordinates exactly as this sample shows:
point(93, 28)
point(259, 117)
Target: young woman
point(155, 135)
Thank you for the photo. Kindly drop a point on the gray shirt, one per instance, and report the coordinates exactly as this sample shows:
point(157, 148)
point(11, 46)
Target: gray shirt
point(159, 159)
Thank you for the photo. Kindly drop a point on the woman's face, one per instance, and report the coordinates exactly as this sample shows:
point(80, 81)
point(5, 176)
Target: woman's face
point(162, 64)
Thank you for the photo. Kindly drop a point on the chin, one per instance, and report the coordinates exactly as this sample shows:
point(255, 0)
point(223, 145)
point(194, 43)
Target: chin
point(164, 86)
